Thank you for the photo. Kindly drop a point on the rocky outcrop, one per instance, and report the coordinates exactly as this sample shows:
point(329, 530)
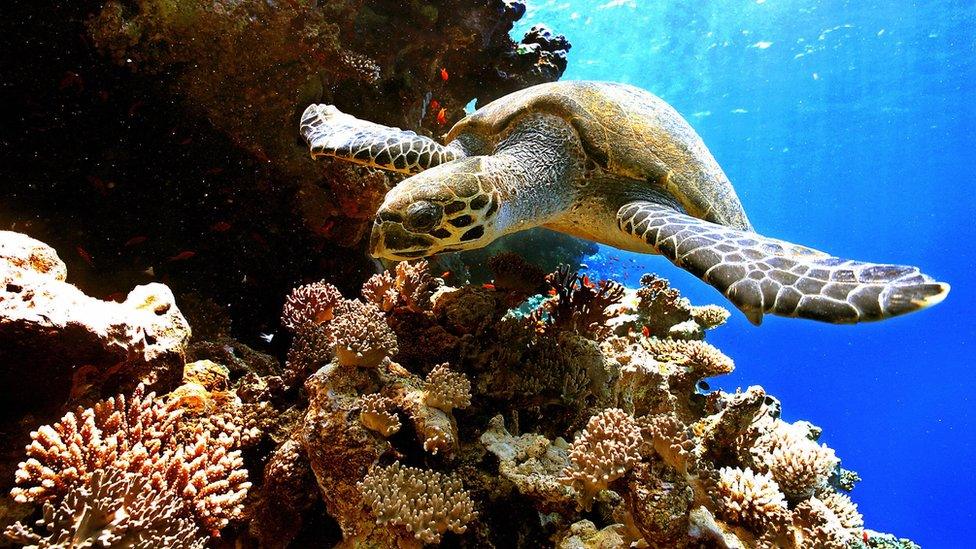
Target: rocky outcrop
point(57, 340)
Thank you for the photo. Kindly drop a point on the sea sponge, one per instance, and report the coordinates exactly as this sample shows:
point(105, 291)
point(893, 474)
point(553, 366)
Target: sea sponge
point(361, 335)
point(750, 498)
point(603, 452)
point(114, 508)
point(447, 389)
point(310, 304)
point(426, 503)
point(702, 359)
point(376, 414)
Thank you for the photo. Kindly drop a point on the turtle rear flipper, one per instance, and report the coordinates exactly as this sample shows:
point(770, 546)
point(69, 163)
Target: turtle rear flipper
point(330, 132)
point(761, 275)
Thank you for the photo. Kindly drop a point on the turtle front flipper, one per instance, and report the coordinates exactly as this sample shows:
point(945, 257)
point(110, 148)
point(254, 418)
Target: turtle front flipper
point(761, 275)
point(330, 132)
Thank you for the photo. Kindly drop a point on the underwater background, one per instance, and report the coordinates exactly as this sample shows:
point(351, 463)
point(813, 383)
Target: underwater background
point(154, 145)
point(848, 126)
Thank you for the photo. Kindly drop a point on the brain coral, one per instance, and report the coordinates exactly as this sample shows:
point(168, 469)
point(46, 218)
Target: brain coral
point(426, 503)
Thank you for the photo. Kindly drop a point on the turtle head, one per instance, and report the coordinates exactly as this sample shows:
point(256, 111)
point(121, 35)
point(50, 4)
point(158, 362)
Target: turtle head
point(447, 208)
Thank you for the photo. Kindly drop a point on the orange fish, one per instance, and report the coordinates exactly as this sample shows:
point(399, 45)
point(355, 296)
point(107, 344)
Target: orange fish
point(552, 291)
point(187, 254)
point(435, 105)
point(444, 75)
point(442, 116)
point(445, 274)
point(646, 331)
point(488, 286)
point(220, 227)
point(586, 282)
point(85, 255)
point(135, 241)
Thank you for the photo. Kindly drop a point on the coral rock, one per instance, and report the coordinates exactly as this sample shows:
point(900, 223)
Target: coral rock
point(54, 327)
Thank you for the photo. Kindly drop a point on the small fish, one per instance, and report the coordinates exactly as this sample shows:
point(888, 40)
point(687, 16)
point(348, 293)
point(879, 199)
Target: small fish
point(220, 227)
point(266, 337)
point(864, 535)
point(444, 75)
point(135, 241)
point(445, 274)
point(149, 272)
point(587, 283)
point(435, 105)
point(83, 253)
point(552, 291)
point(646, 331)
point(488, 286)
point(442, 116)
point(184, 255)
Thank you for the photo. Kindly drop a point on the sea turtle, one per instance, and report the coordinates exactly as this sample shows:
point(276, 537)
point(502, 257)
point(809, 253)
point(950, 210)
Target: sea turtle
point(610, 163)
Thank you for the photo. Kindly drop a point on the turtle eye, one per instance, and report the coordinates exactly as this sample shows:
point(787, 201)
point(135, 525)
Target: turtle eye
point(423, 216)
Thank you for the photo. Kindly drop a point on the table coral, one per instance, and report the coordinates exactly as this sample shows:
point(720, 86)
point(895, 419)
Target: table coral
point(426, 503)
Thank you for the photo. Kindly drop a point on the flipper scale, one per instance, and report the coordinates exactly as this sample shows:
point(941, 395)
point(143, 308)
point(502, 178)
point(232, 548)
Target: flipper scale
point(761, 275)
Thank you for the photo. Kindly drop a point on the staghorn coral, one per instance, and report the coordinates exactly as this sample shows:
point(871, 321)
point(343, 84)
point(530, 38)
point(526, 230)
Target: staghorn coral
point(750, 498)
point(447, 389)
point(377, 414)
point(136, 435)
point(114, 509)
point(361, 335)
point(310, 304)
point(604, 451)
point(426, 503)
point(578, 305)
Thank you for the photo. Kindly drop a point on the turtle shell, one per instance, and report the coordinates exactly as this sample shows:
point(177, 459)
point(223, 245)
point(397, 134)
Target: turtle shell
point(628, 132)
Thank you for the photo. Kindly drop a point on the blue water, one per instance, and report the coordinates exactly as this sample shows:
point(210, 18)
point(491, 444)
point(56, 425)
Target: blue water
point(849, 126)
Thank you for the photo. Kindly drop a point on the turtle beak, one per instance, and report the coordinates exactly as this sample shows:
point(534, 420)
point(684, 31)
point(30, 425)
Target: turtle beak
point(389, 240)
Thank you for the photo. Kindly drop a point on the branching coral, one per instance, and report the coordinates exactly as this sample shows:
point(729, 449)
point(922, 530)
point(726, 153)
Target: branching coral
point(750, 498)
point(380, 290)
point(844, 509)
point(604, 451)
point(377, 414)
point(426, 503)
point(709, 316)
point(578, 305)
point(702, 359)
point(311, 348)
point(815, 525)
point(136, 436)
point(310, 304)
point(415, 284)
point(671, 439)
point(799, 465)
point(447, 389)
point(361, 335)
point(114, 509)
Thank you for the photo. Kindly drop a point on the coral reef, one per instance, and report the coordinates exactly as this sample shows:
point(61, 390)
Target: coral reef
point(425, 414)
